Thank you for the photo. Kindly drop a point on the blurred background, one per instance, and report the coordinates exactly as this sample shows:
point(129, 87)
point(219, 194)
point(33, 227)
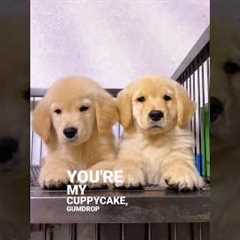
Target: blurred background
point(113, 42)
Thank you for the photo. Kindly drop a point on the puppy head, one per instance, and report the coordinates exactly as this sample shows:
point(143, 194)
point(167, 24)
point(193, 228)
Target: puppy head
point(155, 105)
point(72, 110)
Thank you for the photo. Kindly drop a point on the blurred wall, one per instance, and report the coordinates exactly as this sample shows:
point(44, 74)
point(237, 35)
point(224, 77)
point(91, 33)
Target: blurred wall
point(112, 42)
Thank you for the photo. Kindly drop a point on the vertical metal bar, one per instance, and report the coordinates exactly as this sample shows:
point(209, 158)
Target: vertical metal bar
point(187, 88)
point(199, 119)
point(41, 149)
point(48, 232)
point(122, 232)
point(148, 230)
point(200, 231)
point(97, 232)
point(203, 84)
point(172, 231)
point(51, 232)
point(32, 134)
point(169, 232)
point(194, 116)
point(193, 127)
point(192, 231)
point(208, 76)
point(175, 231)
point(74, 232)
point(45, 232)
point(203, 101)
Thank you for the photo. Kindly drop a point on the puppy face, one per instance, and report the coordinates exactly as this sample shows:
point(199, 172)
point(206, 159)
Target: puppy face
point(154, 109)
point(155, 105)
point(73, 121)
point(72, 110)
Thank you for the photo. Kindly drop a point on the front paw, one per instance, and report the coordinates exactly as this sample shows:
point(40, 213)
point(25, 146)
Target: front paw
point(98, 171)
point(132, 178)
point(98, 180)
point(181, 179)
point(53, 178)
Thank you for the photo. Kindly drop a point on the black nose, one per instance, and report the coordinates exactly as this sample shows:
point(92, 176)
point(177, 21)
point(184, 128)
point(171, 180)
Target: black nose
point(156, 115)
point(70, 132)
point(8, 146)
point(216, 108)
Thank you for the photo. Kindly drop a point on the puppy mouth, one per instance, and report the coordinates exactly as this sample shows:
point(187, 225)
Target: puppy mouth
point(71, 140)
point(155, 126)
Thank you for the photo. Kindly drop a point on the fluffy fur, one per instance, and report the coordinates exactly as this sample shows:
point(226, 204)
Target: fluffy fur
point(157, 152)
point(94, 141)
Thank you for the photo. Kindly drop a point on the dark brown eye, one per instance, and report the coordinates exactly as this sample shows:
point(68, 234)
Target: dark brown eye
point(141, 99)
point(58, 111)
point(167, 98)
point(83, 108)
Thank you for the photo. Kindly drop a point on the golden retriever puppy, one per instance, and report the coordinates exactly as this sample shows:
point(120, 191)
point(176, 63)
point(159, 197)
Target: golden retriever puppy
point(156, 147)
point(75, 121)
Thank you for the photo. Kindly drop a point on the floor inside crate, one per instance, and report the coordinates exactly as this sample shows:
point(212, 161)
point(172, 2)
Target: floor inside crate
point(144, 205)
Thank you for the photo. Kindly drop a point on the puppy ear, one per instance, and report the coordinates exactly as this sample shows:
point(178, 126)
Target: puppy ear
point(125, 108)
point(106, 113)
point(42, 121)
point(185, 107)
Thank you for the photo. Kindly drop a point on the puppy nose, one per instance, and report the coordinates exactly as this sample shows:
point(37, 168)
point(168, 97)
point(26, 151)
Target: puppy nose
point(156, 115)
point(8, 146)
point(216, 108)
point(70, 132)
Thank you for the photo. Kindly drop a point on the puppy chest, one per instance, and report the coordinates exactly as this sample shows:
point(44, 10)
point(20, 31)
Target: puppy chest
point(153, 159)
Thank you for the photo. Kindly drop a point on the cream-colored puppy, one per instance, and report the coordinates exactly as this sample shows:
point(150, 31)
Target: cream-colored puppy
point(75, 121)
point(157, 147)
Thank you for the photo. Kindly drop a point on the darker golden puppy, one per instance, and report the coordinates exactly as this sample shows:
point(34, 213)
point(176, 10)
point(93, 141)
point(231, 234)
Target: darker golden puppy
point(75, 120)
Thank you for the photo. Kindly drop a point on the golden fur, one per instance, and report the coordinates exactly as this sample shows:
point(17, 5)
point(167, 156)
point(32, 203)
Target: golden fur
point(94, 141)
point(157, 152)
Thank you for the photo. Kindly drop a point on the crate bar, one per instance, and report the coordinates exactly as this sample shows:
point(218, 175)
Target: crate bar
point(197, 61)
point(199, 120)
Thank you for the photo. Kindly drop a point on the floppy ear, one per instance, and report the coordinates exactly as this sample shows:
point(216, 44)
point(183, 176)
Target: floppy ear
point(106, 113)
point(185, 107)
point(125, 107)
point(42, 121)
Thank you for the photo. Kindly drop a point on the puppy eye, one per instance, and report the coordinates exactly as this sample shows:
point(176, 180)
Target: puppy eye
point(141, 99)
point(58, 111)
point(167, 98)
point(83, 108)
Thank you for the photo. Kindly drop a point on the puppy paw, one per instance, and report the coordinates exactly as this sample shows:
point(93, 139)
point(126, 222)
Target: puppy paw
point(57, 178)
point(96, 180)
point(181, 179)
point(132, 178)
